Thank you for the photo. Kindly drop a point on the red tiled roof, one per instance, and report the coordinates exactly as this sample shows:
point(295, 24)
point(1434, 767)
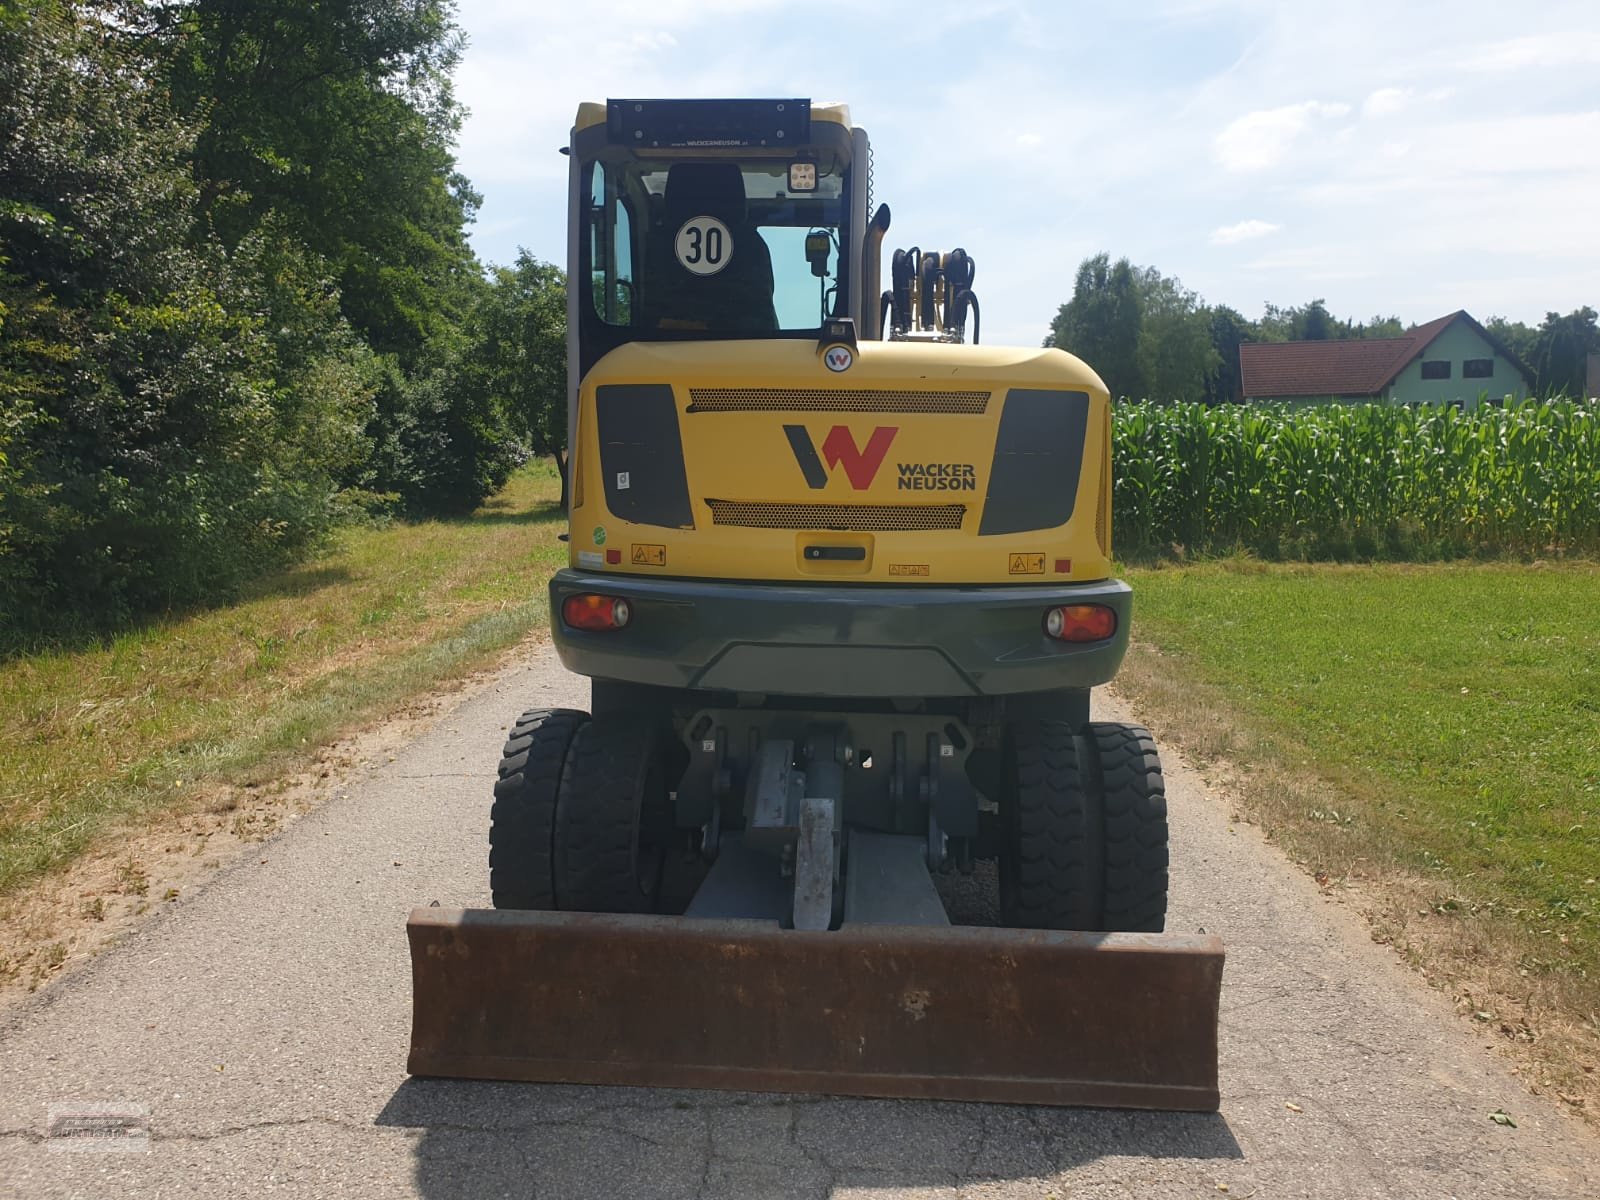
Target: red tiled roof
point(1359, 367)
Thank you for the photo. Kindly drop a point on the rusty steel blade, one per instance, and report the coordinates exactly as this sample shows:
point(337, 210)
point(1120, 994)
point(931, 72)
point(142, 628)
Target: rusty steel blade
point(1122, 1020)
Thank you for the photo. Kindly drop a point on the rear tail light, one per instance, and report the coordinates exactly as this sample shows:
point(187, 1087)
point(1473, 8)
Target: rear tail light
point(1081, 623)
point(590, 611)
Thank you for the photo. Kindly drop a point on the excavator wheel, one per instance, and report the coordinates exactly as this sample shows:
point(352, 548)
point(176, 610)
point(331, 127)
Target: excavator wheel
point(1133, 801)
point(1085, 821)
point(1049, 866)
point(613, 818)
point(522, 821)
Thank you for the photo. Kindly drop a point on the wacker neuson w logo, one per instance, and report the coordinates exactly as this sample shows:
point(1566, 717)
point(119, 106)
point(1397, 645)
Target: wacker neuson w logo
point(861, 463)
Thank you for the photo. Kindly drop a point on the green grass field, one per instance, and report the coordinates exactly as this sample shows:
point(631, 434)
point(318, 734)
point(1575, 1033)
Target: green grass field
point(1452, 711)
point(92, 738)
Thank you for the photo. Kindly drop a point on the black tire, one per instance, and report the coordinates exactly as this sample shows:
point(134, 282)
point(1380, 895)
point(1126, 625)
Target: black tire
point(1134, 800)
point(1084, 815)
point(1050, 857)
point(613, 817)
point(522, 821)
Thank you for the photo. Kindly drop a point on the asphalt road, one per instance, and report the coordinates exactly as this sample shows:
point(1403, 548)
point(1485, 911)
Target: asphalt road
point(260, 1027)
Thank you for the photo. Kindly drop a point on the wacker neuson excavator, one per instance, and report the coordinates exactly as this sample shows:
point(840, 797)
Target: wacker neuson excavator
point(842, 582)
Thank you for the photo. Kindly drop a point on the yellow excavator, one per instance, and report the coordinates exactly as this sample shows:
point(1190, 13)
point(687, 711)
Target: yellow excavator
point(842, 583)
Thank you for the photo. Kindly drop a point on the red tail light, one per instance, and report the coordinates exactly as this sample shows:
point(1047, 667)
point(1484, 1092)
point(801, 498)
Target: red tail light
point(1081, 623)
point(589, 611)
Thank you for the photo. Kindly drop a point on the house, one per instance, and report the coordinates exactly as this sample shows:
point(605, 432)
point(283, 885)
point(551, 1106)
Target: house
point(1453, 360)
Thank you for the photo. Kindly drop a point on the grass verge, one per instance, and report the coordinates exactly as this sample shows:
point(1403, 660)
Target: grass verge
point(1430, 734)
point(104, 739)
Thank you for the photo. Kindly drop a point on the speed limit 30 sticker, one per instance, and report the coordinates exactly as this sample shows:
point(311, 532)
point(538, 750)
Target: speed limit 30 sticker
point(704, 245)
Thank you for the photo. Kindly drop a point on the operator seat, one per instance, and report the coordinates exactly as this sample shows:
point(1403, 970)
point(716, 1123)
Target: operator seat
point(736, 299)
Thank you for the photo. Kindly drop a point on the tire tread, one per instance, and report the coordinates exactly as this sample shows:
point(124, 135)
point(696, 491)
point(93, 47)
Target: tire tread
point(1136, 846)
point(522, 817)
point(598, 817)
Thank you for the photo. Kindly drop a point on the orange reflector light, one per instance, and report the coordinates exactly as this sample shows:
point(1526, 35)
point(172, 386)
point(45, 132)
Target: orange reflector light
point(589, 611)
point(1081, 623)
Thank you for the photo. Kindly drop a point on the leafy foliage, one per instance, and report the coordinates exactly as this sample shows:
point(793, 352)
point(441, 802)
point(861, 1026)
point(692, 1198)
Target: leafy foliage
point(236, 297)
point(518, 354)
point(336, 120)
point(1174, 338)
point(139, 383)
point(1557, 351)
point(1313, 322)
point(1146, 334)
point(1101, 324)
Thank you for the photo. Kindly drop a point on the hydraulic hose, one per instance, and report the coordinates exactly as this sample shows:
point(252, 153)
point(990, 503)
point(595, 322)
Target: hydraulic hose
point(958, 272)
point(928, 274)
point(903, 269)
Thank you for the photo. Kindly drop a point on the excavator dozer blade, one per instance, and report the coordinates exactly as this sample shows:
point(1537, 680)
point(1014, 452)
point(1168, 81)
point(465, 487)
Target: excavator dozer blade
point(1120, 1020)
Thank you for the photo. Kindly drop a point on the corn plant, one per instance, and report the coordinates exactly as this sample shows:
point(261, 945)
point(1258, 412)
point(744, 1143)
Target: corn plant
point(1358, 481)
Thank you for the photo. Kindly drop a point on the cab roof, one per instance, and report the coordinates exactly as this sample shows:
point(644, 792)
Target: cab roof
point(592, 113)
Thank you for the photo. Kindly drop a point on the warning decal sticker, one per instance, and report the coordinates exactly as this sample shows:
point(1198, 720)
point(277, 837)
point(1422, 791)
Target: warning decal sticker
point(1026, 564)
point(649, 556)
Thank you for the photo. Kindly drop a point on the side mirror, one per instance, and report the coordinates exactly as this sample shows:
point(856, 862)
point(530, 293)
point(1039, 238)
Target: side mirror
point(819, 244)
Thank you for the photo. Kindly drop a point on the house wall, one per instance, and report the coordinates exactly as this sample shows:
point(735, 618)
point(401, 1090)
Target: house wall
point(1310, 401)
point(1457, 343)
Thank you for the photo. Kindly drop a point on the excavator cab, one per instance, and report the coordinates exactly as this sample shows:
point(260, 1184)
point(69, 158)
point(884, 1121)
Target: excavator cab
point(682, 240)
point(842, 584)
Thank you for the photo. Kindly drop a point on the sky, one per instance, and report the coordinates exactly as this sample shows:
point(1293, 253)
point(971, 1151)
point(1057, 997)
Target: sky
point(1393, 158)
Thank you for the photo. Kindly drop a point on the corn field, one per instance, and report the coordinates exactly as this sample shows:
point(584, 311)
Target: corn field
point(1357, 481)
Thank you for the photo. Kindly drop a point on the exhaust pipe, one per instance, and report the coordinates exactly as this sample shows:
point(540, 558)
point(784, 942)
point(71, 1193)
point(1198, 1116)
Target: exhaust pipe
point(871, 317)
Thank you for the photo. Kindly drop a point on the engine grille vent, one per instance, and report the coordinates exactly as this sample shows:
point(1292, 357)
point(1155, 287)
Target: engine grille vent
point(860, 400)
point(756, 514)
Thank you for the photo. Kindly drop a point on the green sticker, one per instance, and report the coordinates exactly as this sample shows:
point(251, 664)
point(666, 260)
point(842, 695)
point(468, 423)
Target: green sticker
point(599, 535)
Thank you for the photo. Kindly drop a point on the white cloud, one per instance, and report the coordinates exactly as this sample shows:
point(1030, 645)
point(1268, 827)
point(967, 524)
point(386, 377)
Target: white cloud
point(1386, 102)
point(1261, 139)
point(1243, 231)
point(648, 40)
point(1564, 49)
point(1029, 139)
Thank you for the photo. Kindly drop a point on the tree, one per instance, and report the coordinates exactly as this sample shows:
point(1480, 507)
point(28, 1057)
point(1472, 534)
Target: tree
point(335, 124)
point(1176, 356)
point(1146, 334)
point(1381, 327)
point(147, 463)
point(339, 119)
point(1101, 324)
point(1228, 330)
point(1561, 350)
point(1303, 323)
point(1522, 340)
point(519, 353)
